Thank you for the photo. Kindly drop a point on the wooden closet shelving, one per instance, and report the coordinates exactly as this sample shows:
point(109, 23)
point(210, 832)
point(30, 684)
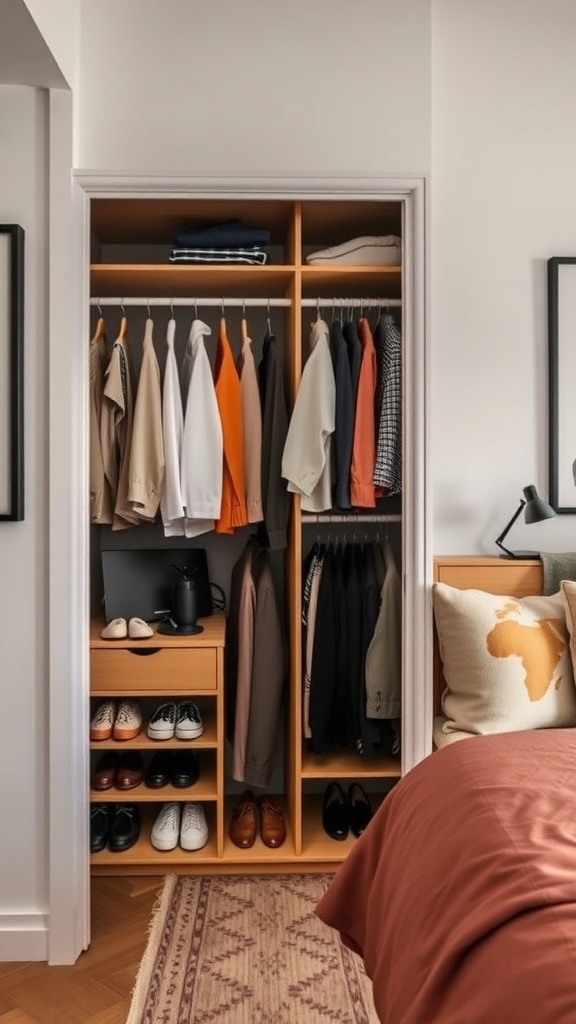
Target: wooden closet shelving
point(297, 228)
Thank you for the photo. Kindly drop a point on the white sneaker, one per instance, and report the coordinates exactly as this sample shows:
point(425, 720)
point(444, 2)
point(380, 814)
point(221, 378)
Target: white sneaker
point(139, 630)
point(188, 721)
point(165, 830)
point(193, 830)
point(103, 721)
point(115, 630)
point(162, 721)
point(128, 722)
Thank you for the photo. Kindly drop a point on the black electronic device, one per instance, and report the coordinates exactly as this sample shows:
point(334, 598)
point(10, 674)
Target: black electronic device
point(140, 582)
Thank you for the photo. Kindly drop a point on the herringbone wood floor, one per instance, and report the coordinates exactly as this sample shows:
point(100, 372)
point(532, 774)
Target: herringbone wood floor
point(97, 988)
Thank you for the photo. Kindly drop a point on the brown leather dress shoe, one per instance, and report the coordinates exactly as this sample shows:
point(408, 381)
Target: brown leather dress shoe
point(272, 824)
point(130, 770)
point(243, 823)
point(105, 771)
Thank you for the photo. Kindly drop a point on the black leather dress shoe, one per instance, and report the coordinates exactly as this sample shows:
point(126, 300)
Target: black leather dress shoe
point(124, 827)
point(99, 826)
point(360, 809)
point(159, 770)
point(185, 768)
point(335, 815)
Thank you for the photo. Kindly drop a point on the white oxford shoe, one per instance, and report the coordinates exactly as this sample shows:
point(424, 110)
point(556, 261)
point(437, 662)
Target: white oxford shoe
point(103, 721)
point(166, 828)
point(128, 721)
point(193, 830)
point(188, 721)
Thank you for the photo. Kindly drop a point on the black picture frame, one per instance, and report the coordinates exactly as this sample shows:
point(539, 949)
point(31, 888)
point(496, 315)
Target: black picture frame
point(561, 379)
point(11, 372)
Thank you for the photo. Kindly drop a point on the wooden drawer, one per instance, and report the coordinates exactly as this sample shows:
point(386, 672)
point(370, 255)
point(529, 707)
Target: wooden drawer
point(153, 669)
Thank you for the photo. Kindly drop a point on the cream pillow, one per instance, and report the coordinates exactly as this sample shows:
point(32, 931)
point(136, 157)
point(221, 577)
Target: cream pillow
point(507, 663)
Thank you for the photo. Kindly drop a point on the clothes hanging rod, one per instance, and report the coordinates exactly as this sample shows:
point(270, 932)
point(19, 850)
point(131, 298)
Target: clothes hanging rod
point(356, 518)
point(338, 303)
point(196, 301)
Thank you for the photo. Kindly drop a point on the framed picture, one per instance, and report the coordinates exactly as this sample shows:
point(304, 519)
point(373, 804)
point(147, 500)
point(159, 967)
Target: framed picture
point(11, 372)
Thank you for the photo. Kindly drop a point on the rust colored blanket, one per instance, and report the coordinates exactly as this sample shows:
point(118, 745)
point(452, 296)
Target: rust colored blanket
point(461, 894)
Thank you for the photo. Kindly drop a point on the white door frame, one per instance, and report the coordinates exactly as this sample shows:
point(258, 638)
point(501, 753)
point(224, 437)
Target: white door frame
point(69, 871)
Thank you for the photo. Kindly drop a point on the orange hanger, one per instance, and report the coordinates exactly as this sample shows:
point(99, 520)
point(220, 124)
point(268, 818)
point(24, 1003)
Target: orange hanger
point(123, 326)
point(244, 325)
point(100, 331)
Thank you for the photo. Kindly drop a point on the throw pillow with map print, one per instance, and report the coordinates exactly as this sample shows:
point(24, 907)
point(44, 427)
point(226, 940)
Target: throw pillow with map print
point(568, 594)
point(507, 663)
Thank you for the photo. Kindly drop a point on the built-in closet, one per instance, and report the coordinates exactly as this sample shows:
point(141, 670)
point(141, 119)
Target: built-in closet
point(131, 277)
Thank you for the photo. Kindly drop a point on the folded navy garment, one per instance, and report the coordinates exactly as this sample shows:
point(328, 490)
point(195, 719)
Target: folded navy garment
point(227, 235)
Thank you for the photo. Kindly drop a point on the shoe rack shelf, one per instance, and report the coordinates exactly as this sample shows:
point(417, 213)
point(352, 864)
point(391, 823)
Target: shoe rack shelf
point(207, 741)
point(131, 240)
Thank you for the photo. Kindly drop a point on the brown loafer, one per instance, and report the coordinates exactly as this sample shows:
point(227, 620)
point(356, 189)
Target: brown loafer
point(243, 824)
point(272, 824)
point(105, 771)
point(130, 770)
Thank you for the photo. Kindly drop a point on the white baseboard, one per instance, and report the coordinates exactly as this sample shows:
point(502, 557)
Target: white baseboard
point(23, 937)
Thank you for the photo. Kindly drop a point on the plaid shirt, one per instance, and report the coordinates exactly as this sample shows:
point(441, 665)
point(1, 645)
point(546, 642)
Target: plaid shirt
point(388, 342)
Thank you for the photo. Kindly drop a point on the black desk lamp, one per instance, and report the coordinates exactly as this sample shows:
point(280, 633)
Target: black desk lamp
point(535, 510)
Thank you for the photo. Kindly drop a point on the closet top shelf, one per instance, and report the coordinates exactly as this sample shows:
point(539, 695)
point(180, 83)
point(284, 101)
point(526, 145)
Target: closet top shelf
point(145, 279)
point(292, 223)
point(141, 280)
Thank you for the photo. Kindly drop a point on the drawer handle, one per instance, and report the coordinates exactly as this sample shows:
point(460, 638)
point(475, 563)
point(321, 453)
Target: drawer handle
point(143, 652)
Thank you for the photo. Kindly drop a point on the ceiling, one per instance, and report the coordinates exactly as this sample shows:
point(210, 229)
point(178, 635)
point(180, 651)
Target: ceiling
point(24, 57)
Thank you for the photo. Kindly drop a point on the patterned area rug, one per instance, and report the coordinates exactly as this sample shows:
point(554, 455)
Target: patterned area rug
point(247, 950)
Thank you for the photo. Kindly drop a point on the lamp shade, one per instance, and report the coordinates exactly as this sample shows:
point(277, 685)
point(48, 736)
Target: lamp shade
point(536, 509)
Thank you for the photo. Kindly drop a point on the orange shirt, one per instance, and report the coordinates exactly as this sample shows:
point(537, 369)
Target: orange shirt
point(362, 492)
point(229, 398)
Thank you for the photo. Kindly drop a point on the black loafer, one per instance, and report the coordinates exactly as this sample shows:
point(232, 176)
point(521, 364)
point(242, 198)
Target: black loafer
point(99, 826)
point(124, 827)
point(335, 816)
point(360, 809)
point(185, 768)
point(159, 770)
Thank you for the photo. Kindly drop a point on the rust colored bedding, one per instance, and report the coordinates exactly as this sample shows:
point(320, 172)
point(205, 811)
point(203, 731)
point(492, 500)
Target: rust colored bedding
point(461, 894)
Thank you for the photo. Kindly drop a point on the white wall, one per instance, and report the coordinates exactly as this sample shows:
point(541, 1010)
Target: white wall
point(24, 552)
point(263, 87)
point(503, 201)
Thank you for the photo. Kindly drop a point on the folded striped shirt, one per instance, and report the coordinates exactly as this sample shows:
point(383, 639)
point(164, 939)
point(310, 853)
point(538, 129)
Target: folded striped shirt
point(253, 255)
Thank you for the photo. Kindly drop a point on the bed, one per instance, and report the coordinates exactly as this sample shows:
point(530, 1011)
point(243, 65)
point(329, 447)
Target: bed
point(461, 895)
